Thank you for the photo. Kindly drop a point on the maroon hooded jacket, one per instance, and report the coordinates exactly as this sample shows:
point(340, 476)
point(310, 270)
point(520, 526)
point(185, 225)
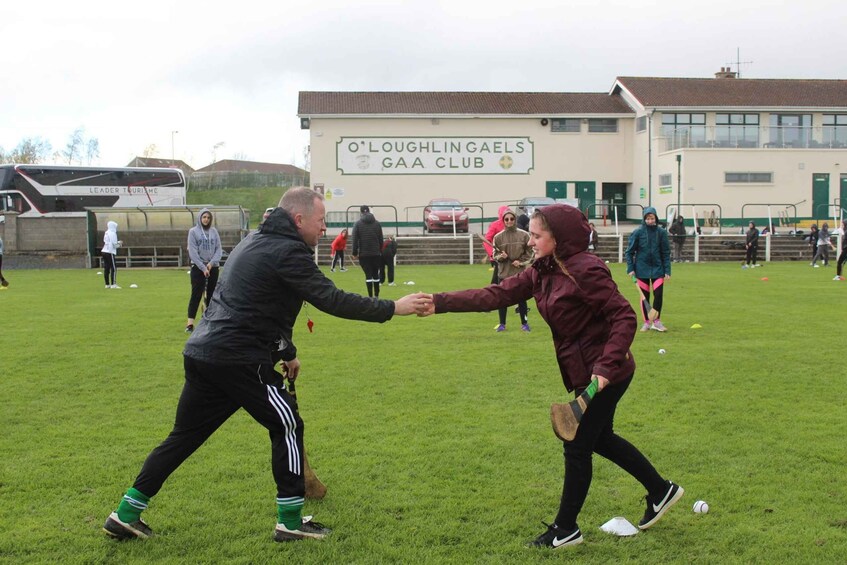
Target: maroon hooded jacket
point(593, 325)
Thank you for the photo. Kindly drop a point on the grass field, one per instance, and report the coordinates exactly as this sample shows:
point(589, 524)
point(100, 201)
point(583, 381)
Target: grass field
point(432, 434)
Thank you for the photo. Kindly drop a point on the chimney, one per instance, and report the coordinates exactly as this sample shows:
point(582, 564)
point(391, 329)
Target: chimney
point(725, 72)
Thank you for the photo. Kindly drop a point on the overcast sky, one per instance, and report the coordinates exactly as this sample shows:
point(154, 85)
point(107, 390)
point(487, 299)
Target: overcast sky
point(131, 73)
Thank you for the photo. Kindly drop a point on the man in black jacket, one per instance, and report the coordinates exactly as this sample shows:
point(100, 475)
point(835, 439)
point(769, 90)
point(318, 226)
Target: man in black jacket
point(367, 248)
point(229, 359)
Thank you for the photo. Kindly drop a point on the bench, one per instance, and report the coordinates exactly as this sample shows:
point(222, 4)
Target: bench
point(155, 256)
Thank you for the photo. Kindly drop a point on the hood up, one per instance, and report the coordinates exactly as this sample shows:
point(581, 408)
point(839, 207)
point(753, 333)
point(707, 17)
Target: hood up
point(569, 227)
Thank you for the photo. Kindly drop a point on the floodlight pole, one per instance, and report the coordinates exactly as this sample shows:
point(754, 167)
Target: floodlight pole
point(678, 183)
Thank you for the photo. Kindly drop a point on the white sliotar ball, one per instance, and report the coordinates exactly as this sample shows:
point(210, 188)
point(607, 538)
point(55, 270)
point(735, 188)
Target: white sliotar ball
point(662, 352)
point(701, 507)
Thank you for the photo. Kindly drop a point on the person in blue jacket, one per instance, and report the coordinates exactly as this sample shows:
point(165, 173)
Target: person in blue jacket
point(648, 259)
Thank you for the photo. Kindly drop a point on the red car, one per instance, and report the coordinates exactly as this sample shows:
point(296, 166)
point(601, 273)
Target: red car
point(440, 214)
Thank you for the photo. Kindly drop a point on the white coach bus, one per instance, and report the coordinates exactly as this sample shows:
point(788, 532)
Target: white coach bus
point(51, 190)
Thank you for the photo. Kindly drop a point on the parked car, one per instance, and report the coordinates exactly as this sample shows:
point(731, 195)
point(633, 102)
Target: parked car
point(530, 203)
point(440, 214)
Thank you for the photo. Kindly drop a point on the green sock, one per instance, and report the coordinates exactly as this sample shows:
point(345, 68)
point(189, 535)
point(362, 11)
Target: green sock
point(134, 502)
point(289, 511)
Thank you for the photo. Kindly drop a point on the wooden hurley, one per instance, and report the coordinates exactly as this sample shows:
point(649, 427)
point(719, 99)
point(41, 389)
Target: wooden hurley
point(566, 417)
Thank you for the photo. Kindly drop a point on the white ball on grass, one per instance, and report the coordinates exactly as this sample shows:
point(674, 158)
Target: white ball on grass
point(133, 285)
point(701, 507)
point(662, 352)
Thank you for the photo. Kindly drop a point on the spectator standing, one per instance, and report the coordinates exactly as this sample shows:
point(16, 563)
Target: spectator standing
point(367, 248)
point(494, 228)
point(111, 243)
point(751, 247)
point(3, 282)
point(389, 252)
point(813, 240)
point(339, 246)
point(823, 247)
point(678, 232)
point(513, 254)
point(648, 258)
point(841, 258)
point(205, 252)
point(592, 239)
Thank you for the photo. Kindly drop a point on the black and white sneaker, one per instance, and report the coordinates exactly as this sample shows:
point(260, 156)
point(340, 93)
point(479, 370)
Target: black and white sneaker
point(556, 537)
point(656, 508)
point(123, 530)
point(308, 530)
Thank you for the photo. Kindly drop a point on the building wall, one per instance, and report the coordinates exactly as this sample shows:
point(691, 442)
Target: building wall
point(583, 156)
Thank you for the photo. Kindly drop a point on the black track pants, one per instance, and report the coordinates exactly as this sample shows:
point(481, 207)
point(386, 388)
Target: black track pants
point(213, 393)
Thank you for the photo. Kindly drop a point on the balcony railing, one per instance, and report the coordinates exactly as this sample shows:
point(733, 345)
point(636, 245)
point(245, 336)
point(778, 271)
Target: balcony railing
point(755, 137)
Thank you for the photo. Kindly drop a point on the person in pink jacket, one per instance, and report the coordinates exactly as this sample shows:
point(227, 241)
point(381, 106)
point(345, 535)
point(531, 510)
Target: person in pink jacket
point(494, 228)
point(593, 326)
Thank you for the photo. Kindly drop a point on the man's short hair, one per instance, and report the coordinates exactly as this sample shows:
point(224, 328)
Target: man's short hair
point(299, 200)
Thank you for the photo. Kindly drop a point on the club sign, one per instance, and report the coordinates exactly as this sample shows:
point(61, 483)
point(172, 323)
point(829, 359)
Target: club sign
point(434, 155)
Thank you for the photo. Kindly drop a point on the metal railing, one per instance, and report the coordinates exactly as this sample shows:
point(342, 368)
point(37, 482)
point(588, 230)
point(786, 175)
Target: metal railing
point(754, 137)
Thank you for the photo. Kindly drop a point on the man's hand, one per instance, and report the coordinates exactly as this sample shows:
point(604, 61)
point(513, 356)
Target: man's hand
point(292, 368)
point(417, 303)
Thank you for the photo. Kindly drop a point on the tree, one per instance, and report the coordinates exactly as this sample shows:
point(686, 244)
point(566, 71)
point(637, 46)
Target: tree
point(29, 150)
point(92, 149)
point(73, 150)
point(149, 151)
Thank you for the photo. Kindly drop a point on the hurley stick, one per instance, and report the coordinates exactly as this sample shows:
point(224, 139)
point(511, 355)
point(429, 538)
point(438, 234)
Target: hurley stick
point(652, 313)
point(566, 417)
point(314, 487)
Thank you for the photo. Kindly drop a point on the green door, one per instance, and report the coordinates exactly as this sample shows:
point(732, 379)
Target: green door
point(820, 195)
point(586, 194)
point(557, 189)
point(843, 193)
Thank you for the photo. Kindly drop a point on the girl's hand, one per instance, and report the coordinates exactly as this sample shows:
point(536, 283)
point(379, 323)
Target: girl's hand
point(601, 382)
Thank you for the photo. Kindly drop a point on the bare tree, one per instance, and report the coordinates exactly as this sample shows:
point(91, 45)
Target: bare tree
point(240, 156)
point(149, 151)
point(92, 149)
point(73, 150)
point(29, 150)
point(307, 157)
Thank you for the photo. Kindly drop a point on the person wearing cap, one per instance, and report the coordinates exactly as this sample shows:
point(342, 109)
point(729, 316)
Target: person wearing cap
point(367, 248)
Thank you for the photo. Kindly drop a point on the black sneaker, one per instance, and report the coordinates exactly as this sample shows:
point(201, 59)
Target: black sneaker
point(308, 530)
point(656, 508)
point(189, 328)
point(123, 531)
point(4, 283)
point(556, 537)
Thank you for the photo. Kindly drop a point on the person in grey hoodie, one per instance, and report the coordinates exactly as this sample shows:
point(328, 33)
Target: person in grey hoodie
point(204, 250)
point(367, 248)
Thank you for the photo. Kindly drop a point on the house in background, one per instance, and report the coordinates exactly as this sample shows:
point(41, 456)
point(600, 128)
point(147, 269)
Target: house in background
point(162, 163)
point(234, 173)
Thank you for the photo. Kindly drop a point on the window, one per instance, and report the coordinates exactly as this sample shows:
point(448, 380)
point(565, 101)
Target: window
point(790, 130)
point(731, 178)
point(565, 125)
point(835, 130)
point(603, 125)
point(666, 180)
point(736, 130)
point(640, 123)
point(684, 130)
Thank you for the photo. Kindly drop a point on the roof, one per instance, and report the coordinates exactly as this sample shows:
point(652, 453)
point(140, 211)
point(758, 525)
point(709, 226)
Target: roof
point(162, 163)
point(237, 166)
point(459, 103)
point(735, 92)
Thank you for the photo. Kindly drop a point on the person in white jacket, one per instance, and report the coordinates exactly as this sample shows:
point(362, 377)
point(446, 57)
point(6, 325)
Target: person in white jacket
point(110, 249)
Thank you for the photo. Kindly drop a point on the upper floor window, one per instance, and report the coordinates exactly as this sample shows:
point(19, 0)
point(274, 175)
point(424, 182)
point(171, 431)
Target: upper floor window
point(790, 130)
point(567, 125)
point(603, 125)
point(640, 123)
point(835, 130)
point(684, 130)
point(736, 130)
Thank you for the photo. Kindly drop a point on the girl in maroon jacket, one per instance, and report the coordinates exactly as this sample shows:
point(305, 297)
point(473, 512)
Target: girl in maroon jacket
point(593, 326)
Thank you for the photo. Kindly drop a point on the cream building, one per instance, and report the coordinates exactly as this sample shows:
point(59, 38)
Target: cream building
point(736, 149)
